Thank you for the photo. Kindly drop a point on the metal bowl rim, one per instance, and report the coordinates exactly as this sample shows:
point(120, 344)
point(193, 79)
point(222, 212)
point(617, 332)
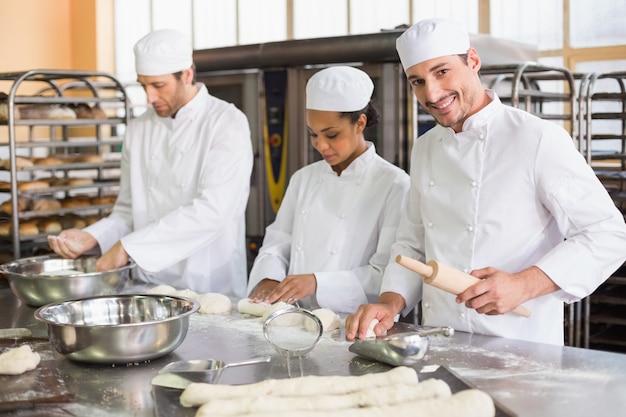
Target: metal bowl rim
point(195, 306)
point(4, 268)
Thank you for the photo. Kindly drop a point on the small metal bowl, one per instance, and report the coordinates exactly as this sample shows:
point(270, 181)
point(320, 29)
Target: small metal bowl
point(118, 329)
point(47, 279)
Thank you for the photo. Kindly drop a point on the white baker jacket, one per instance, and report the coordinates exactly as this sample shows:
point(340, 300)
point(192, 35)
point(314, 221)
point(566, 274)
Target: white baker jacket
point(509, 191)
point(184, 187)
point(339, 228)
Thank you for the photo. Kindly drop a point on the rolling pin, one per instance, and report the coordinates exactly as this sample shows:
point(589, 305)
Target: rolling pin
point(446, 278)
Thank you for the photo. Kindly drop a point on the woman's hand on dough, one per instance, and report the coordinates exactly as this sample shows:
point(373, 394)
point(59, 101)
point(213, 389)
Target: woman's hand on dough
point(389, 304)
point(293, 288)
point(263, 289)
point(116, 257)
point(72, 243)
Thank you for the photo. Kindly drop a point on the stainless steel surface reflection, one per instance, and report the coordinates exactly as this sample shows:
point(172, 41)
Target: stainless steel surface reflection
point(47, 279)
point(530, 379)
point(117, 329)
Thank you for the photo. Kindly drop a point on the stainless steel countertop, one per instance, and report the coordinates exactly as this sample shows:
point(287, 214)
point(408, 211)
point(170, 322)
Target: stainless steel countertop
point(529, 379)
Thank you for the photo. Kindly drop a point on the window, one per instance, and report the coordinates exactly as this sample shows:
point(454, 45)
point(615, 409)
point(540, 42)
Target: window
point(536, 22)
point(597, 23)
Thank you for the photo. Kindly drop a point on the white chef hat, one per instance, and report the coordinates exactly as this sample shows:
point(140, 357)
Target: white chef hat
point(431, 38)
point(339, 88)
point(161, 52)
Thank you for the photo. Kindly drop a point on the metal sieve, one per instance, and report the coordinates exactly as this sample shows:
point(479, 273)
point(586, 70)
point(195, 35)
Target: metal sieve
point(293, 332)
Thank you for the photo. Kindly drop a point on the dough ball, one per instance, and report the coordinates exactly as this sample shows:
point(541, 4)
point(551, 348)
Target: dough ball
point(246, 306)
point(187, 293)
point(163, 290)
point(16, 361)
point(287, 319)
point(214, 303)
point(370, 330)
point(330, 320)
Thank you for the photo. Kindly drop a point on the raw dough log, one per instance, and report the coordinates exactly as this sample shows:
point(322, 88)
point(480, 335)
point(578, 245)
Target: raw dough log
point(214, 303)
point(370, 397)
point(18, 360)
point(199, 393)
point(467, 403)
point(330, 320)
point(245, 306)
point(263, 310)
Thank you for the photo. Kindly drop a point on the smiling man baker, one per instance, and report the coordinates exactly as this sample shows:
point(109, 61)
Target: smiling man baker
point(497, 192)
point(185, 178)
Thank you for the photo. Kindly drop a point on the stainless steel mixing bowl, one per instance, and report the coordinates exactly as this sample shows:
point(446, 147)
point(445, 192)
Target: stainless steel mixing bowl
point(117, 329)
point(47, 279)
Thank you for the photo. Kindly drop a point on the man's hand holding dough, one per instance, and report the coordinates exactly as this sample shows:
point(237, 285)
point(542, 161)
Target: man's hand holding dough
point(389, 305)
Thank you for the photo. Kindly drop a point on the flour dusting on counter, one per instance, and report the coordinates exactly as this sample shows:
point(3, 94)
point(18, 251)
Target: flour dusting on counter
point(253, 326)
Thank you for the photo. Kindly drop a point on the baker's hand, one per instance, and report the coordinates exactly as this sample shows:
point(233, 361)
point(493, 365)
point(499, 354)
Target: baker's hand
point(500, 292)
point(293, 287)
point(72, 243)
point(263, 289)
point(116, 257)
point(389, 304)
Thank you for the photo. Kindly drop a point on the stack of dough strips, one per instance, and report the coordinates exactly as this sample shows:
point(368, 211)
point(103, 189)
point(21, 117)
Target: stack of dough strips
point(395, 393)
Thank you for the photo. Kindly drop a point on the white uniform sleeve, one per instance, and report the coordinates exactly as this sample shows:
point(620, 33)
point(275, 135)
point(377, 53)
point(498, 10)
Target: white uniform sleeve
point(111, 229)
point(225, 181)
point(594, 229)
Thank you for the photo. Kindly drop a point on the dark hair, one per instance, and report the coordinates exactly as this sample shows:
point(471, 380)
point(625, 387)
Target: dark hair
point(178, 75)
point(370, 111)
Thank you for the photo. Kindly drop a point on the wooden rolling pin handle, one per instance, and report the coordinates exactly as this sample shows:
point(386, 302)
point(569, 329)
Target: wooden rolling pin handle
point(446, 278)
point(415, 266)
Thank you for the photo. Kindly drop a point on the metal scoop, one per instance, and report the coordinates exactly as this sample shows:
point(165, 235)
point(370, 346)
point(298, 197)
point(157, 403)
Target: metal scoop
point(400, 348)
point(182, 373)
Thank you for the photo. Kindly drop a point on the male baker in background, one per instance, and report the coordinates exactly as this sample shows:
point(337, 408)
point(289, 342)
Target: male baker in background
point(185, 178)
point(497, 192)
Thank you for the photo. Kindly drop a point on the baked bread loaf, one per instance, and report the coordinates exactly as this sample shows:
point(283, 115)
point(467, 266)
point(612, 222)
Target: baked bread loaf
point(79, 222)
point(78, 181)
point(32, 185)
point(92, 219)
point(28, 228)
point(76, 201)
point(109, 199)
point(46, 204)
point(50, 160)
point(23, 204)
point(87, 158)
point(20, 162)
point(5, 228)
point(49, 225)
point(45, 111)
point(85, 111)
